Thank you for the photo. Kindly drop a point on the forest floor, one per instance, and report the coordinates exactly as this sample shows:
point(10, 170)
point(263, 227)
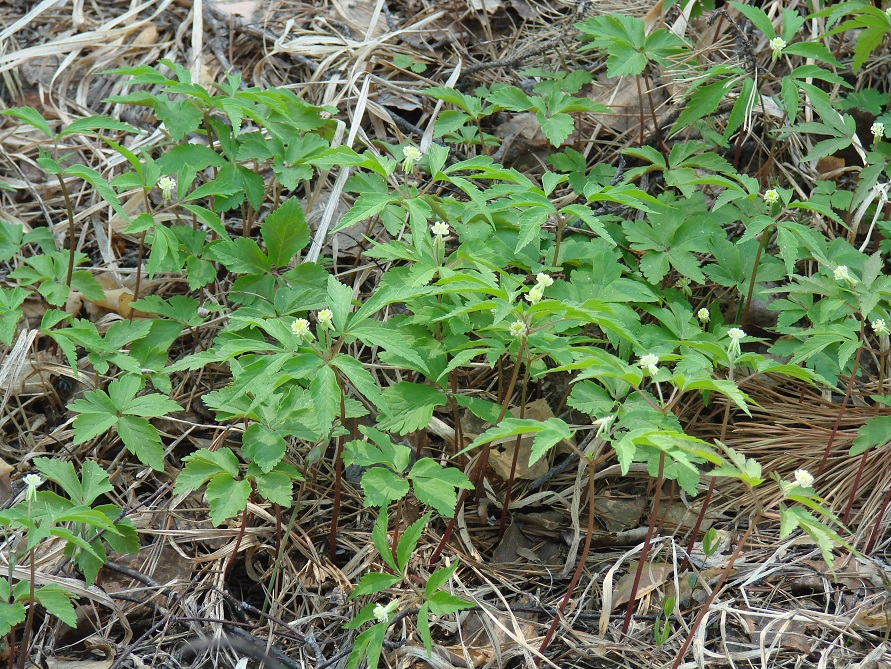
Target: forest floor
point(198, 595)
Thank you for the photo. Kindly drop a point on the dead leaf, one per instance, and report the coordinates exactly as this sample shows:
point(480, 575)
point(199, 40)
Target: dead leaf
point(619, 514)
point(654, 574)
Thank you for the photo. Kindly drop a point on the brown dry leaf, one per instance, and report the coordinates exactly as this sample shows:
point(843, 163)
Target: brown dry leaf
point(491, 6)
point(790, 633)
point(624, 103)
point(524, 9)
point(829, 164)
point(147, 37)
point(618, 513)
point(245, 8)
point(5, 482)
point(502, 454)
point(654, 574)
point(511, 543)
point(33, 377)
point(357, 15)
point(487, 631)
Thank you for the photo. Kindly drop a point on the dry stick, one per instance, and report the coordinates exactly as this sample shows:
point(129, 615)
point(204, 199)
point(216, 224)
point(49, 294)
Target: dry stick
point(646, 547)
point(29, 623)
point(581, 565)
point(844, 404)
point(481, 465)
point(714, 593)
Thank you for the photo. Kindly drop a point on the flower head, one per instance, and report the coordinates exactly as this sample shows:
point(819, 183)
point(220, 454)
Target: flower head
point(878, 131)
point(777, 44)
point(771, 196)
point(382, 613)
point(325, 318)
point(412, 155)
point(841, 273)
point(803, 478)
point(880, 327)
point(166, 184)
point(32, 481)
point(604, 424)
point(300, 328)
point(544, 280)
point(683, 284)
point(735, 334)
point(650, 362)
point(440, 229)
point(518, 329)
point(704, 315)
point(535, 294)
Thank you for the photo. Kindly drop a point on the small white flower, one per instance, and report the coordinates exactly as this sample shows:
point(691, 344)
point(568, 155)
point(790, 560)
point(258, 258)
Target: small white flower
point(880, 327)
point(518, 329)
point(32, 481)
point(878, 131)
point(535, 294)
point(382, 613)
point(650, 362)
point(735, 334)
point(166, 184)
point(411, 155)
point(300, 328)
point(803, 478)
point(888, 13)
point(777, 44)
point(440, 229)
point(325, 318)
point(604, 424)
point(841, 273)
point(771, 196)
point(704, 315)
point(544, 280)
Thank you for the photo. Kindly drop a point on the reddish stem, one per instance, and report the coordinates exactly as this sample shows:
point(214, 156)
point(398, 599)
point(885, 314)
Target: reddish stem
point(646, 547)
point(841, 411)
point(581, 565)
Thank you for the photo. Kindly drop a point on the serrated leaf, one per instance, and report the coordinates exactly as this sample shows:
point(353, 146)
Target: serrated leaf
point(442, 603)
point(226, 497)
point(876, 431)
point(381, 486)
point(142, 440)
point(409, 541)
point(439, 578)
point(58, 602)
point(285, 232)
point(379, 539)
point(435, 485)
point(275, 487)
point(374, 582)
point(264, 447)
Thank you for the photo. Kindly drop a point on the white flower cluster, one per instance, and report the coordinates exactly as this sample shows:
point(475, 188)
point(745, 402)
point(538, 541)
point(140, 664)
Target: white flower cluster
point(440, 229)
point(542, 281)
point(300, 328)
point(777, 44)
point(771, 196)
point(650, 362)
point(878, 131)
point(166, 184)
point(412, 155)
point(518, 329)
point(736, 335)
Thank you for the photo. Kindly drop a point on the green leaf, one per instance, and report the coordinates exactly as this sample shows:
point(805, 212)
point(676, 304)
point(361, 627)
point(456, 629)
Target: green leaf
point(263, 447)
point(10, 615)
point(202, 465)
point(94, 481)
point(373, 582)
point(435, 485)
point(58, 602)
point(142, 440)
point(553, 431)
point(442, 603)
point(379, 539)
point(381, 486)
point(408, 542)
point(410, 406)
point(340, 298)
point(226, 497)
point(325, 397)
point(874, 432)
point(276, 487)
point(439, 578)
point(30, 116)
point(240, 255)
point(424, 628)
point(285, 232)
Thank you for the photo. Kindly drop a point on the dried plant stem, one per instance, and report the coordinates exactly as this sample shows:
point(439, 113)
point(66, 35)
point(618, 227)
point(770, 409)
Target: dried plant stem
point(578, 571)
point(646, 547)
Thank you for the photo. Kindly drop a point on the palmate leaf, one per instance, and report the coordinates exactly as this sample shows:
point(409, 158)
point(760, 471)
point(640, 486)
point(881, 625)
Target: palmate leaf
point(436, 485)
point(226, 497)
point(142, 440)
